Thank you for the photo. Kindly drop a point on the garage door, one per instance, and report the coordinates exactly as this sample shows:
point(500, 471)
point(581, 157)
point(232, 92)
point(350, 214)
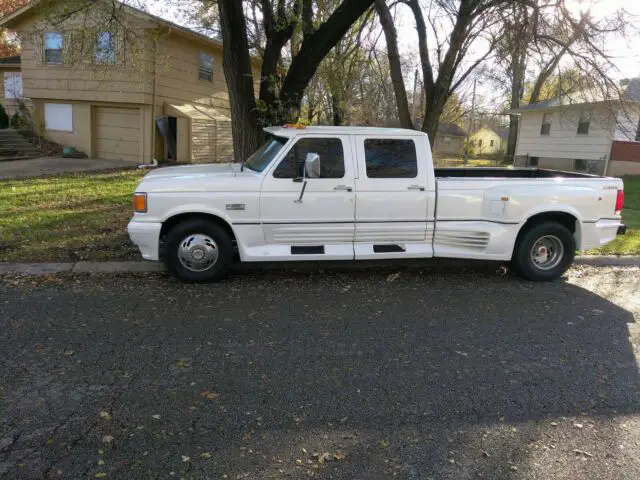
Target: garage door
point(117, 133)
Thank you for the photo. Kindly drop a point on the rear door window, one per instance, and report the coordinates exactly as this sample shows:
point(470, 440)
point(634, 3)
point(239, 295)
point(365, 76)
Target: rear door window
point(390, 158)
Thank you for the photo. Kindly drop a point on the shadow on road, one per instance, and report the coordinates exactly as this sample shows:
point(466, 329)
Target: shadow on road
point(415, 375)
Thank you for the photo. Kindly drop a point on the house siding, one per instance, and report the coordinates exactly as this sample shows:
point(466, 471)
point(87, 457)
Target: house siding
point(177, 75)
point(78, 78)
point(563, 140)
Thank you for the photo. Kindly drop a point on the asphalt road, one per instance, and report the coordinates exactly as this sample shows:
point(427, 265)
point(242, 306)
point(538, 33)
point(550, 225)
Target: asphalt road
point(348, 375)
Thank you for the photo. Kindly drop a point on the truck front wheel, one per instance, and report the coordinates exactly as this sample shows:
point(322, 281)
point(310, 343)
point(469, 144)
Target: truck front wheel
point(198, 251)
point(544, 252)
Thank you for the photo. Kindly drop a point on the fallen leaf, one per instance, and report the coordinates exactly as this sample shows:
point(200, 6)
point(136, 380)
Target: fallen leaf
point(108, 439)
point(325, 457)
point(578, 425)
point(39, 348)
point(304, 450)
point(514, 468)
point(182, 364)
point(298, 461)
point(69, 353)
point(208, 395)
point(205, 455)
point(157, 417)
point(582, 452)
point(185, 458)
point(100, 475)
point(101, 462)
point(104, 414)
point(339, 455)
point(393, 277)
point(384, 443)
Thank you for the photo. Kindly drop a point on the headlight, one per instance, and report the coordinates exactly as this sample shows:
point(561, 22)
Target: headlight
point(140, 202)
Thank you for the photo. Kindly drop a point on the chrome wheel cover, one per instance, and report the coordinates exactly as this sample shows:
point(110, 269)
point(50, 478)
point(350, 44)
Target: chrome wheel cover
point(547, 252)
point(198, 252)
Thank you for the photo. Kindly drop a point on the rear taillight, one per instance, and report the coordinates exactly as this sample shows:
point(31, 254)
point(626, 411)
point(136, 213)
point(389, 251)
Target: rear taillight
point(619, 202)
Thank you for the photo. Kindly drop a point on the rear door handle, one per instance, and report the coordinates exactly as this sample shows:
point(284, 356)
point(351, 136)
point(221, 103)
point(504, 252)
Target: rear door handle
point(345, 188)
point(416, 187)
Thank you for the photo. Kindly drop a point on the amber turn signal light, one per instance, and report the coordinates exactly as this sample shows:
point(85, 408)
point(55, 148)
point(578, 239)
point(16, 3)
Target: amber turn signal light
point(140, 202)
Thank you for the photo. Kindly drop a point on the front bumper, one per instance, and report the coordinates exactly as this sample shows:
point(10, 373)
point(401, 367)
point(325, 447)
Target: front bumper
point(146, 235)
point(622, 230)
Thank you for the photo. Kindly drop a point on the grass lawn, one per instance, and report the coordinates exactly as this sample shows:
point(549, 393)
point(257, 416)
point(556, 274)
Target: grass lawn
point(67, 218)
point(628, 244)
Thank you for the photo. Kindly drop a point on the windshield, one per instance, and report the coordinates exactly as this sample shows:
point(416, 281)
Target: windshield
point(263, 156)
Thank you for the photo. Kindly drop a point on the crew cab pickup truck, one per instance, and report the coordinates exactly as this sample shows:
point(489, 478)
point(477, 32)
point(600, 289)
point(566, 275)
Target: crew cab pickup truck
point(354, 193)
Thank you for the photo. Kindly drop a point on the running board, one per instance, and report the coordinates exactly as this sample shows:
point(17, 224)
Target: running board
point(314, 250)
point(388, 249)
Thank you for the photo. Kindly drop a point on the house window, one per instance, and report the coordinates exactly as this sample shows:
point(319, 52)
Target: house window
point(390, 158)
point(533, 161)
point(580, 165)
point(584, 123)
point(492, 143)
point(58, 116)
point(205, 67)
point(53, 48)
point(638, 132)
point(480, 143)
point(545, 129)
point(12, 85)
point(105, 48)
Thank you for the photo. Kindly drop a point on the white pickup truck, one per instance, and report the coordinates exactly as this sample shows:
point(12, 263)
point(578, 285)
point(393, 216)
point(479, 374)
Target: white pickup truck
point(352, 193)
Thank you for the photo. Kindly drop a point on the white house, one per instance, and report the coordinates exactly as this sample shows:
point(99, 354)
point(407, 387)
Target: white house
point(583, 131)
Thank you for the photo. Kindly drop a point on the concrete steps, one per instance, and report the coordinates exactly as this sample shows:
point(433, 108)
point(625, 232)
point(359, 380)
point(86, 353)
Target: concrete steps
point(14, 145)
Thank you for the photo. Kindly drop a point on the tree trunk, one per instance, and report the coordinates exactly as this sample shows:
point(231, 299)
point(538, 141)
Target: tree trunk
point(337, 108)
point(313, 50)
point(517, 85)
point(239, 79)
point(432, 114)
point(399, 90)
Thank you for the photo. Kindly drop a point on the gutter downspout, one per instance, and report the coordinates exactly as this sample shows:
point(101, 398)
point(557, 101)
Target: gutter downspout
point(153, 102)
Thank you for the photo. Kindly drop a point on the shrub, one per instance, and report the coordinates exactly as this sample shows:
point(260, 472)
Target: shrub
point(17, 122)
point(4, 118)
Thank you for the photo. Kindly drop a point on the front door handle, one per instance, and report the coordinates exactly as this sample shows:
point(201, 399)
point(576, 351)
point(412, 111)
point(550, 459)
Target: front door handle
point(416, 187)
point(345, 188)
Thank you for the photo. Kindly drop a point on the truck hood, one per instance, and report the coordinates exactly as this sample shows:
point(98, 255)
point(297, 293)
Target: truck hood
point(202, 178)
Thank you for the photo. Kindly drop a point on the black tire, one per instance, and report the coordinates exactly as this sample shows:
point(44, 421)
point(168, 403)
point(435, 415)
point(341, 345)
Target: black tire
point(180, 232)
point(522, 261)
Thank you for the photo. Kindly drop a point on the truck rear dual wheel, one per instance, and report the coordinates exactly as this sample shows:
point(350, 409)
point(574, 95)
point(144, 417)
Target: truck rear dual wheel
point(198, 251)
point(544, 252)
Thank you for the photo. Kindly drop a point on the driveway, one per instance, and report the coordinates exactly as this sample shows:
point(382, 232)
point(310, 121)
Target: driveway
point(37, 167)
point(345, 375)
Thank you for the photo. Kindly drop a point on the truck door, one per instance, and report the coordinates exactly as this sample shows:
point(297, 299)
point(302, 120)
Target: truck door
point(311, 217)
point(392, 198)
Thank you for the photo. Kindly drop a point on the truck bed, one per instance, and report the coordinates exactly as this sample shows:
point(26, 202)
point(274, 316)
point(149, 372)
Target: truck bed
point(474, 172)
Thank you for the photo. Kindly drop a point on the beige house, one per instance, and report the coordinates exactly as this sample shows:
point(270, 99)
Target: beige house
point(449, 139)
point(136, 89)
point(583, 132)
point(489, 141)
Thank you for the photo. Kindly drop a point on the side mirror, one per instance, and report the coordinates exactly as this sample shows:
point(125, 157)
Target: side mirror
point(312, 165)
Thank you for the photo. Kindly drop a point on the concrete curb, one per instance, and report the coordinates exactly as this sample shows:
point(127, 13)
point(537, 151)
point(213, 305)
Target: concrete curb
point(41, 269)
